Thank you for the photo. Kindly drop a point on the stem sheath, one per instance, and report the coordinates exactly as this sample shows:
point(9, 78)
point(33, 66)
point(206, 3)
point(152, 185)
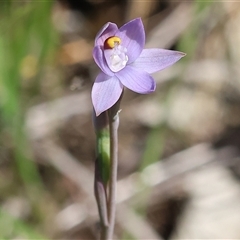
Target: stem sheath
point(113, 128)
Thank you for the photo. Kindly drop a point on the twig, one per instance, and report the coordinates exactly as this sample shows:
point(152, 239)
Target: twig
point(136, 225)
point(173, 167)
point(43, 119)
point(167, 31)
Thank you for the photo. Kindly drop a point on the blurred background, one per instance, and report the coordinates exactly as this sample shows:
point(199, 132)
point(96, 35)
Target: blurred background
point(179, 165)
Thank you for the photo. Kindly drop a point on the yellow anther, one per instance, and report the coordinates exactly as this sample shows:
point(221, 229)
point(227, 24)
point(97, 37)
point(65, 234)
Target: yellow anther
point(111, 42)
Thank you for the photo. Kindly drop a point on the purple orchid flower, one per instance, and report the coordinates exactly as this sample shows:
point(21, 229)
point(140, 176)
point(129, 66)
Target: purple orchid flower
point(120, 55)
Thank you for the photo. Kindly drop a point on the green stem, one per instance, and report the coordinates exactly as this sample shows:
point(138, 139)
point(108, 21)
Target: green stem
point(101, 198)
point(105, 184)
point(113, 129)
point(102, 168)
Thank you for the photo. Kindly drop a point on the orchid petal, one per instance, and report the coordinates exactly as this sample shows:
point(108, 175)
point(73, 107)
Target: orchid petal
point(100, 60)
point(153, 60)
point(105, 92)
point(108, 30)
point(136, 80)
point(132, 37)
